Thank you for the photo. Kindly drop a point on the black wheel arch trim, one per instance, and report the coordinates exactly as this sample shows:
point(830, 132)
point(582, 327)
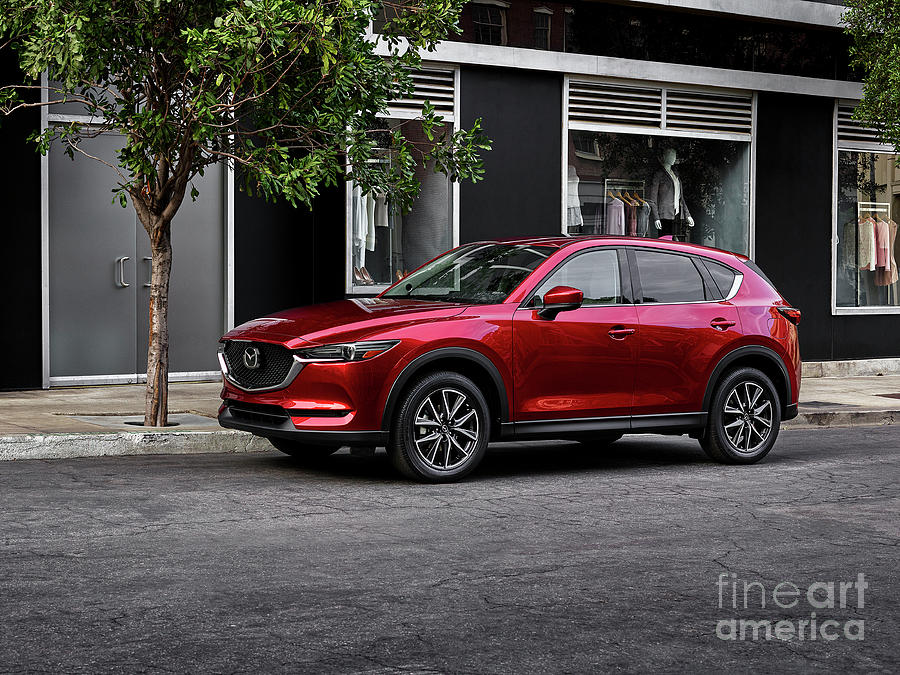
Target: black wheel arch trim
point(753, 350)
point(416, 365)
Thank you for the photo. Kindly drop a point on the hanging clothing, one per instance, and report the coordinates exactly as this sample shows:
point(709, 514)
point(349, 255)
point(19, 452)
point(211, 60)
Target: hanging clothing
point(643, 220)
point(631, 219)
point(358, 214)
point(882, 244)
point(615, 217)
point(887, 274)
point(370, 222)
point(381, 211)
point(866, 245)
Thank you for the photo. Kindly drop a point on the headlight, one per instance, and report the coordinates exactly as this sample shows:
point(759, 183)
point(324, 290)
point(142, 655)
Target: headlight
point(350, 351)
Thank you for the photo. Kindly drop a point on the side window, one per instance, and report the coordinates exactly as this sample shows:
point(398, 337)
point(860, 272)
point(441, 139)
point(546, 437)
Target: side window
point(722, 275)
point(668, 277)
point(596, 274)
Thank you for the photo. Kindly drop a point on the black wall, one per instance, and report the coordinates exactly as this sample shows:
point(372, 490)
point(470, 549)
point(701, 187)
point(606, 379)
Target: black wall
point(521, 193)
point(286, 256)
point(20, 269)
point(793, 228)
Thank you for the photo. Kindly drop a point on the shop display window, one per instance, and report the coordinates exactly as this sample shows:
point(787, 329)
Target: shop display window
point(387, 243)
point(692, 189)
point(868, 197)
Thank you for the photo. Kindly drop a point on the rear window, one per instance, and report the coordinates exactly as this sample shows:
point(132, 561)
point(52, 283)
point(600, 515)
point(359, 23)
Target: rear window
point(668, 278)
point(722, 275)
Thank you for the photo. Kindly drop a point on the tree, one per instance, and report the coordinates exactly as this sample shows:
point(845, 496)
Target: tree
point(285, 91)
point(874, 30)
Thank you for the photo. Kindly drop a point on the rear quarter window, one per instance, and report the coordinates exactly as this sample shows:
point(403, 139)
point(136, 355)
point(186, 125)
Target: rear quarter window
point(722, 275)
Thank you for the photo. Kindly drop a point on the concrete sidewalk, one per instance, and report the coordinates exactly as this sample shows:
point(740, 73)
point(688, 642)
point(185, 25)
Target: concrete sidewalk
point(93, 421)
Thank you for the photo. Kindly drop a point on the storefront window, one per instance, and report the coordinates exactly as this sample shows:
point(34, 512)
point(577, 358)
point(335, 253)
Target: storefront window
point(868, 199)
point(693, 189)
point(386, 243)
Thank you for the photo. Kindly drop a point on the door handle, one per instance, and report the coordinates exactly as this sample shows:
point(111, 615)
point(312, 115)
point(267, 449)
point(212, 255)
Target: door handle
point(620, 332)
point(149, 259)
point(722, 324)
point(120, 272)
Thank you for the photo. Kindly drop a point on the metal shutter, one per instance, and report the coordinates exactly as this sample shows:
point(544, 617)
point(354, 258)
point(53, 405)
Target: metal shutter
point(851, 131)
point(597, 103)
point(701, 111)
point(609, 104)
point(433, 85)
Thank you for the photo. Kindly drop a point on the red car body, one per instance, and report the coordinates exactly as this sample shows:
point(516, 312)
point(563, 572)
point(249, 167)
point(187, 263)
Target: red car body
point(630, 367)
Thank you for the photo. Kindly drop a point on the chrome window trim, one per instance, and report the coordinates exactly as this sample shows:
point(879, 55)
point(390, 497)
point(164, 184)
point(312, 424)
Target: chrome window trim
point(735, 286)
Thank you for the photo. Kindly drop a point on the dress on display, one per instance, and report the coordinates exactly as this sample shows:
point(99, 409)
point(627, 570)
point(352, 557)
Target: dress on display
point(615, 216)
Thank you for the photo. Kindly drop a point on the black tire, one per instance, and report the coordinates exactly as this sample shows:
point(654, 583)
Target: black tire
point(453, 437)
point(736, 432)
point(599, 441)
point(304, 451)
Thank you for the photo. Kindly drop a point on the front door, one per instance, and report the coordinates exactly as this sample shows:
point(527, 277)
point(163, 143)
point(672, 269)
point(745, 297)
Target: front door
point(100, 269)
point(581, 363)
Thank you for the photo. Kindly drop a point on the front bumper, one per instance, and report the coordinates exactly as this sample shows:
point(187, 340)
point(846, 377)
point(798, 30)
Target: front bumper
point(269, 423)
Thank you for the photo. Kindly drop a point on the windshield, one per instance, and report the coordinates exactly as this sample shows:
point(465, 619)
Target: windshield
point(480, 274)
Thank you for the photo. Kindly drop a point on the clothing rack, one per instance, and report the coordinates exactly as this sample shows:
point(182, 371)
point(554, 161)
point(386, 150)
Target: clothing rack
point(618, 185)
point(883, 210)
point(622, 185)
point(874, 207)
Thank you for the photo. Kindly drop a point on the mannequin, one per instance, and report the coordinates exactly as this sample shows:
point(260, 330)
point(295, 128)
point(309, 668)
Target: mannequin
point(574, 219)
point(666, 196)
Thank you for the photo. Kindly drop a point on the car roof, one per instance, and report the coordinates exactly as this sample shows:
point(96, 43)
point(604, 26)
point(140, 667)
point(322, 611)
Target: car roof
point(561, 242)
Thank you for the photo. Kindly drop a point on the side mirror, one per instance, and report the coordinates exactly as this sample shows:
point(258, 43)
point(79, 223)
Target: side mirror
point(560, 299)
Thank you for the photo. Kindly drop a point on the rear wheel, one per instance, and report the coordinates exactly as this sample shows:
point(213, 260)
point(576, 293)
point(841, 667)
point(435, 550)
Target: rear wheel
point(441, 430)
point(304, 451)
point(744, 418)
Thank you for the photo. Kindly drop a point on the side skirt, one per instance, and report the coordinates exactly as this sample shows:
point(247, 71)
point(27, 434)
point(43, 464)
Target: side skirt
point(547, 429)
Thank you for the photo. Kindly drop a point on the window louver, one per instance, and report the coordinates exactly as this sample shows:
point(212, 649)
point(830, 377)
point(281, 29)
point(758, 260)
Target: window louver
point(608, 104)
point(435, 86)
point(852, 131)
point(701, 111)
point(596, 103)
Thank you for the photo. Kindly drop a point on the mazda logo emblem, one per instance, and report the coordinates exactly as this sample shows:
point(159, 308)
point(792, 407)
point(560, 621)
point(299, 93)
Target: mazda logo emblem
point(251, 358)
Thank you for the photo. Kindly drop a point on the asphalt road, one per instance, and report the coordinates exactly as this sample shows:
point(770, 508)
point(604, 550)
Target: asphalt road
point(549, 559)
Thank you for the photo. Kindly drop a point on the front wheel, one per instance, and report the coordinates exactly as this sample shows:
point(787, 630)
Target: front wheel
point(744, 418)
point(441, 431)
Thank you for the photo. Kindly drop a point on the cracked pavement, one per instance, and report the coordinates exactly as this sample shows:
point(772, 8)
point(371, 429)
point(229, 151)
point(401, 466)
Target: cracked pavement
point(551, 558)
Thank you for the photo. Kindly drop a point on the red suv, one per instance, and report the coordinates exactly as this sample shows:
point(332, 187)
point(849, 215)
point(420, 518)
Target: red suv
point(572, 338)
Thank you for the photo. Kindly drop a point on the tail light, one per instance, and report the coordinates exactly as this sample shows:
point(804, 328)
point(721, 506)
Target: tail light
point(791, 314)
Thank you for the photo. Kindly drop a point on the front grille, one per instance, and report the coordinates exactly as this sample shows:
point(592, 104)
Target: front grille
point(257, 412)
point(275, 362)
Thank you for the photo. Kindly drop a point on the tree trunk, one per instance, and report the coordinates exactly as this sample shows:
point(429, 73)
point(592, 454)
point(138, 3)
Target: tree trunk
point(156, 403)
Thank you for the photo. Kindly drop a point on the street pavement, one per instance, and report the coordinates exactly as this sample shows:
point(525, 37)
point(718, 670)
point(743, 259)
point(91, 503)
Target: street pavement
point(551, 558)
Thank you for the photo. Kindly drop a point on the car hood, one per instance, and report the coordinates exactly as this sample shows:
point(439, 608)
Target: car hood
point(342, 321)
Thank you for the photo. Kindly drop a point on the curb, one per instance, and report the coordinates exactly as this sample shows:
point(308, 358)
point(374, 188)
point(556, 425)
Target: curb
point(843, 418)
point(69, 446)
point(100, 444)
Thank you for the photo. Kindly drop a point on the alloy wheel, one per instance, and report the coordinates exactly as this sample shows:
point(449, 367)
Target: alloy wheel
point(748, 415)
point(445, 429)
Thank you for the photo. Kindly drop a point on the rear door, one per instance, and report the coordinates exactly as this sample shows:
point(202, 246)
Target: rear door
point(580, 363)
point(685, 328)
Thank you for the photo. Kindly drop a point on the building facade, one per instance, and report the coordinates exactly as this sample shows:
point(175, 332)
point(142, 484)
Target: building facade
point(720, 122)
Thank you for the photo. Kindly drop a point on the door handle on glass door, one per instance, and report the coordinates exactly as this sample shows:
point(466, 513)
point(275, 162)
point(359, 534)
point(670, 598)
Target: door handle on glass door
point(721, 324)
point(620, 332)
point(120, 271)
point(149, 259)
